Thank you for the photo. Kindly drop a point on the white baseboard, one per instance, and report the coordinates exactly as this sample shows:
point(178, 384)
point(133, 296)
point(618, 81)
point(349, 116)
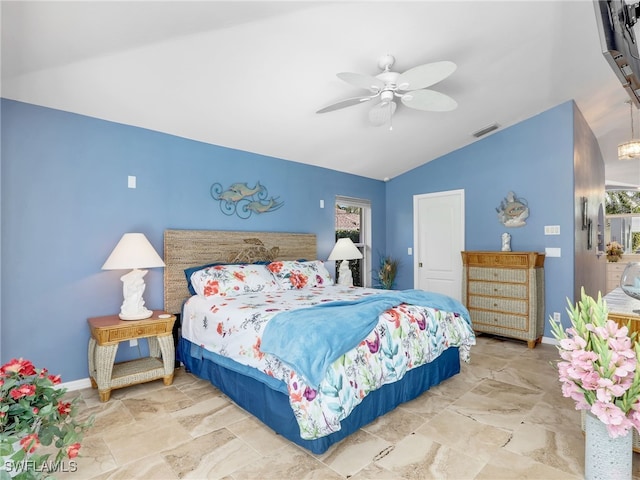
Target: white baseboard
point(77, 384)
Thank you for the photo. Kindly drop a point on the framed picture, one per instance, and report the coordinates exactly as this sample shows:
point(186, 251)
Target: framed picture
point(585, 215)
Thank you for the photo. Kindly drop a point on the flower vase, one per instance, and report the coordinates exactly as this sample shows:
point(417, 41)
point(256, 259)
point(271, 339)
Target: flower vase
point(605, 457)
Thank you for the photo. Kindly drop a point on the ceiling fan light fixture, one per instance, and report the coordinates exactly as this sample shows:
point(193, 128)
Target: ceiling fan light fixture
point(410, 87)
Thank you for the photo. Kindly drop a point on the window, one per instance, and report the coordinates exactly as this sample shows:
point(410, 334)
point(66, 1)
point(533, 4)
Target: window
point(353, 220)
point(623, 219)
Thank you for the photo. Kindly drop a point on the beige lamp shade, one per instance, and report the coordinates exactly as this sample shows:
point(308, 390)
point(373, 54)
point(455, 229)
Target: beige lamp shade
point(133, 252)
point(345, 250)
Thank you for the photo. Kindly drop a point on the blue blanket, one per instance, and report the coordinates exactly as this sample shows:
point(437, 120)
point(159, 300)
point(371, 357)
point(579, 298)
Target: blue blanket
point(309, 340)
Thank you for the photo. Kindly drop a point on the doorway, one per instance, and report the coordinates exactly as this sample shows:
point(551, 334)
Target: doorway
point(438, 241)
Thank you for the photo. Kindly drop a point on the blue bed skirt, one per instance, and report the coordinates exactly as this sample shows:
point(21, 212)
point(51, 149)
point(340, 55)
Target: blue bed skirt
point(272, 407)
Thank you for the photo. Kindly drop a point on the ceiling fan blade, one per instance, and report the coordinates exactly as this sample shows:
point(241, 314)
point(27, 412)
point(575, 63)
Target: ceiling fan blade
point(426, 75)
point(359, 80)
point(382, 113)
point(345, 103)
point(429, 100)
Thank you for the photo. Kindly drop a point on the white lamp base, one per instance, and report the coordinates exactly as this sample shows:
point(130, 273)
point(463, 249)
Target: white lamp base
point(345, 278)
point(140, 316)
point(132, 289)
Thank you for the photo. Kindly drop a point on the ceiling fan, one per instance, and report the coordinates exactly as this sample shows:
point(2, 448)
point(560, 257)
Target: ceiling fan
point(409, 87)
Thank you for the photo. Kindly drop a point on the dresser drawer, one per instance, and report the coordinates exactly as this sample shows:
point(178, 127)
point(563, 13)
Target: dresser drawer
point(499, 304)
point(498, 320)
point(513, 275)
point(613, 279)
point(511, 290)
point(137, 331)
point(616, 267)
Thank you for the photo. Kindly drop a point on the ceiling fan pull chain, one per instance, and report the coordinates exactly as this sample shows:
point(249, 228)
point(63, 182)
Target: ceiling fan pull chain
point(390, 117)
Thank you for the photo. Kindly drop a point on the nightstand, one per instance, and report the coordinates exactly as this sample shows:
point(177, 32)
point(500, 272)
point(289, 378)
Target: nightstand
point(108, 331)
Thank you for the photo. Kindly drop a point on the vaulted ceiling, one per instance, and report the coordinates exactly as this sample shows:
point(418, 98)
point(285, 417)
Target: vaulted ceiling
point(251, 75)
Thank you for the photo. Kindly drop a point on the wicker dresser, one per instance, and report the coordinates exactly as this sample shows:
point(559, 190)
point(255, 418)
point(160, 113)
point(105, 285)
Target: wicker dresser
point(504, 293)
point(614, 273)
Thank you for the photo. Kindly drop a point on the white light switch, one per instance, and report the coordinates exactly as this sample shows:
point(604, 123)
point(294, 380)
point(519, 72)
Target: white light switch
point(131, 181)
point(552, 229)
point(321, 203)
point(409, 251)
point(552, 252)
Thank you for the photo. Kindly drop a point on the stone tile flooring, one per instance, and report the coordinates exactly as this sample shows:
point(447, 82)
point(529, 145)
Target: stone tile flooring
point(502, 417)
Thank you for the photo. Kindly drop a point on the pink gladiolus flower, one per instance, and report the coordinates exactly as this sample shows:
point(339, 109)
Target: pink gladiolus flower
point(562, 371)
point(611, 415)
point(571, 390)
point(589, 380)
point(574, 343)
point(611, 330)
point(634, 415)
point(607, 390)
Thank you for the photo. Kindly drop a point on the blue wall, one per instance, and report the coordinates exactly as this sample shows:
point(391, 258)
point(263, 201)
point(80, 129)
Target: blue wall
point(65, 205)
point(535, 160)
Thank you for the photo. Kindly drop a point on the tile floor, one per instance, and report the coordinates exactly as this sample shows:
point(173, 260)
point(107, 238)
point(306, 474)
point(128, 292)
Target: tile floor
point(502, 417)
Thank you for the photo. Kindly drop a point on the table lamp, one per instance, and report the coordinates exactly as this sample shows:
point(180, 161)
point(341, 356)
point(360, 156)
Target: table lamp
point(133, 251)
point(345, 250)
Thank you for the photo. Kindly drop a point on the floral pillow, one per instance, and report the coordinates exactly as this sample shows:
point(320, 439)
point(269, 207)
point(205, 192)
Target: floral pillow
point(294, 274)
point(233, 280)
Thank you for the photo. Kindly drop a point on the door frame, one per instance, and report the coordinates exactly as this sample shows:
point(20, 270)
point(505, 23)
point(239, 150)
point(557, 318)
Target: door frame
point(416, 230)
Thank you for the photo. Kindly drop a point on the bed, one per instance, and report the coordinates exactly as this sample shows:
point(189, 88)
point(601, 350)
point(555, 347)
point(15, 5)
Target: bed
point(262, 320)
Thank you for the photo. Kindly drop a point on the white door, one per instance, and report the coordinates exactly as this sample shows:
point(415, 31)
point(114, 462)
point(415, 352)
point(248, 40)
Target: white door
point(438, 227)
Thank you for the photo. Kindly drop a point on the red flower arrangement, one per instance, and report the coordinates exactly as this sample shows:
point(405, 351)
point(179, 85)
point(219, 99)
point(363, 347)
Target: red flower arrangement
point(34, 416)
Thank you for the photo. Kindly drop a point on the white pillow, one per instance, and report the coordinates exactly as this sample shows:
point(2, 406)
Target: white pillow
point(294, 274)
point(233, 280)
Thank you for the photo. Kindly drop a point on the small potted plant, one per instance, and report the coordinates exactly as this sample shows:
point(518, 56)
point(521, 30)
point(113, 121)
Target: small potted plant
point(35, 420)
point(614, 251)
point(387, 272)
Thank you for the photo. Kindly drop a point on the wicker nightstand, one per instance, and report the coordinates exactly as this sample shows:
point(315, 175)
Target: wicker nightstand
point(107, 332)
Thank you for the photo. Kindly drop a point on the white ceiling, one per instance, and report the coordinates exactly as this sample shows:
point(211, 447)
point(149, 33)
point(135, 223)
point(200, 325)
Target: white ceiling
point(251, 75)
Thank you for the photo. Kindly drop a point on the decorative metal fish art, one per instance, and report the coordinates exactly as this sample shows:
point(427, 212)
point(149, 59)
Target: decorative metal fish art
point(513, 211)
point(243, 201)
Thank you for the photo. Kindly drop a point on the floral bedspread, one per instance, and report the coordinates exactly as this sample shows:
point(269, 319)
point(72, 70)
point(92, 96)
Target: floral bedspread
point(405, 337)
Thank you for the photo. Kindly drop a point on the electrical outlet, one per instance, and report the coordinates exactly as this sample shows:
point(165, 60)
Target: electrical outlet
point(556, 317)
point(133, 342)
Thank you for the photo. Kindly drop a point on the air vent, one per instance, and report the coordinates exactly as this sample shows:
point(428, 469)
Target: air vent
point(485, 130)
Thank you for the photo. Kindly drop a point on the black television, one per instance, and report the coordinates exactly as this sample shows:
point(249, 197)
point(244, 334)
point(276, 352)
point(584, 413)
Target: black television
point(616, 19)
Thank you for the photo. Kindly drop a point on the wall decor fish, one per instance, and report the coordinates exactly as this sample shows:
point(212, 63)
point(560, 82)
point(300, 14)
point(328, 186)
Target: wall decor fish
point(242, 200)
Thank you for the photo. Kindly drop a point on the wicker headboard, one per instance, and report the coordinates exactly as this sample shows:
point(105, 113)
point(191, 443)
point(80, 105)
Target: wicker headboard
point(190, 248)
